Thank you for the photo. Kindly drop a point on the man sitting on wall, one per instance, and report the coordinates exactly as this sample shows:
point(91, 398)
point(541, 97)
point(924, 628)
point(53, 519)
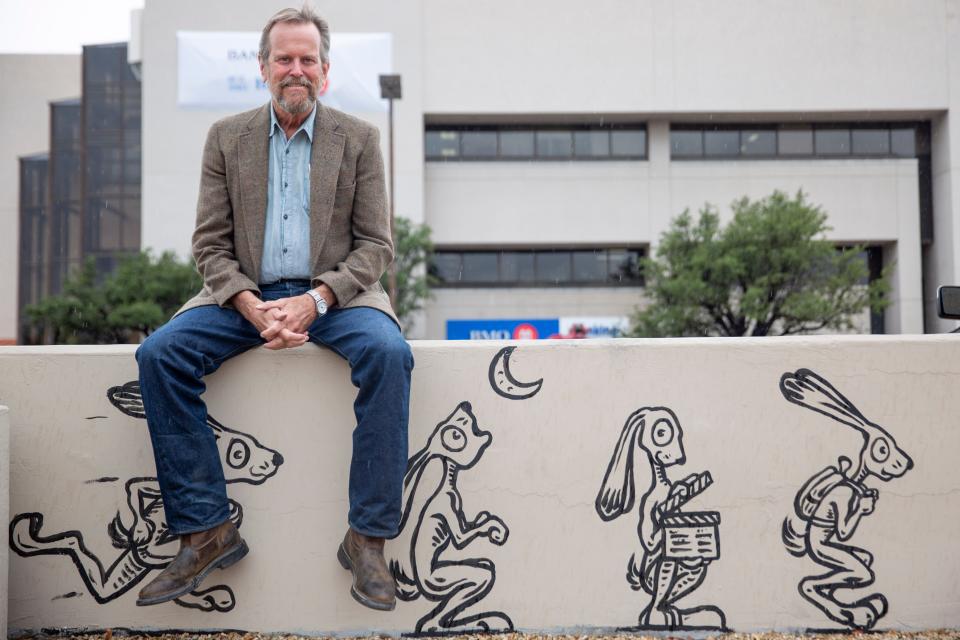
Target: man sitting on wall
point(292, 237)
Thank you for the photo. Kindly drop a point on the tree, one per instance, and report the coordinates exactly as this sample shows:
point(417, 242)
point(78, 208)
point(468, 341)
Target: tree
point(140, 295)
point(770, 271)
point(413, 249)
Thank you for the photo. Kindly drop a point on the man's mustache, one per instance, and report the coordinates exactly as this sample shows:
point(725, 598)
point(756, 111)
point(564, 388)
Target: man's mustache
point(295, 82)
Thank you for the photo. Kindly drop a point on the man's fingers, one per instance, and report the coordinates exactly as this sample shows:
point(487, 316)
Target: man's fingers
point(271, 304)
point(286, 339)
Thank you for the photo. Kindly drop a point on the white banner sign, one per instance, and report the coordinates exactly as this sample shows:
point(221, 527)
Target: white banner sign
point(219, 70)
point(594, 326)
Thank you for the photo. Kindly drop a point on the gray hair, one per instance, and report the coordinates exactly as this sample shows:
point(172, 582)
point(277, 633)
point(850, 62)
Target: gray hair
point(297, 16)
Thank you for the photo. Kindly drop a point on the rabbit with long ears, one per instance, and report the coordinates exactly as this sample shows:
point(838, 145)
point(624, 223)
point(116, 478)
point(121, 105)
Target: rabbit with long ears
point(657, 432)
point(830, 505)
point(433, 519)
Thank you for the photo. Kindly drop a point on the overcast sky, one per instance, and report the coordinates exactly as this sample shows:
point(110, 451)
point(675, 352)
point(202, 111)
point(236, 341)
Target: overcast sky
point(62, 26)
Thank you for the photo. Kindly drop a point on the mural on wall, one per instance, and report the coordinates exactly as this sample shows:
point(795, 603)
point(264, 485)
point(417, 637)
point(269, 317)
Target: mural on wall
point(830, 505)
point(139, 530)
point(503, 382)
point(675, 547)
point(434, 519)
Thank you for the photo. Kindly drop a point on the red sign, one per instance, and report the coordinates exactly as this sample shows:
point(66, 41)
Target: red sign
point(525, 332)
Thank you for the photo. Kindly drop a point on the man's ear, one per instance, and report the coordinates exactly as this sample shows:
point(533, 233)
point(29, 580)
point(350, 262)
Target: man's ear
point(263, 68)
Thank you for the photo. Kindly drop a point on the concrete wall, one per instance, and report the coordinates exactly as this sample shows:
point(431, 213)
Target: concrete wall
point(541, 521)
point(24, 129)
point(4, 510)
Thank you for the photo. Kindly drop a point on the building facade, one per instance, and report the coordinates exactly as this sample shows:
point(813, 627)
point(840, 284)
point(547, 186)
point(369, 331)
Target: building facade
point(549, 144)
point(25, 131)
point(81, 199)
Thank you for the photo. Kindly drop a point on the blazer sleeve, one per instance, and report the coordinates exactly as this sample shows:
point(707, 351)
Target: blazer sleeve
point(213, 238)
point(372, 248)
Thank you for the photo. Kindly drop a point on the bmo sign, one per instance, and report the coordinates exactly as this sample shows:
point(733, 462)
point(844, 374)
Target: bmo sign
point(577, 327)
point(502, 329)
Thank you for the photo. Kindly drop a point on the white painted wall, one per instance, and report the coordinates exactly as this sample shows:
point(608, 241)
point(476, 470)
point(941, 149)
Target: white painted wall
point(25, 130)
point(72, 451)
point(4, 510)
point(686, 56)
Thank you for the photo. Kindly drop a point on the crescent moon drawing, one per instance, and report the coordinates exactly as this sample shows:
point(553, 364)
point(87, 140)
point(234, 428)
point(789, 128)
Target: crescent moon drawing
point(503, 382)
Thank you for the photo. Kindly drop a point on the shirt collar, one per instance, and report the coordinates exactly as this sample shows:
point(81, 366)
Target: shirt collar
point(306, 127)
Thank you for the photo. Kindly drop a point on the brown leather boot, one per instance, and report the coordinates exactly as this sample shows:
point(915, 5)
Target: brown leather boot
point(200, 553)
point(373, 584)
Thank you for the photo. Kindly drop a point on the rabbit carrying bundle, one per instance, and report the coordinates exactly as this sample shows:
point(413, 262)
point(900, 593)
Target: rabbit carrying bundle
point(830, 505)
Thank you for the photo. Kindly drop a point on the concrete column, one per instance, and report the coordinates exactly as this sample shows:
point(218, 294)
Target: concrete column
point(940, 264)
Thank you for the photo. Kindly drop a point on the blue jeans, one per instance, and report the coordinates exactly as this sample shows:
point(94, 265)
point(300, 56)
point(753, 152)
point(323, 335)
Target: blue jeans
point(174, 359)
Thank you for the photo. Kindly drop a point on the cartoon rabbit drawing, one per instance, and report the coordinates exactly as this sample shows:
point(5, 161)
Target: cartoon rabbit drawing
point(830, 505)
point(140, 530)
point(433, 519)
point(675, 547)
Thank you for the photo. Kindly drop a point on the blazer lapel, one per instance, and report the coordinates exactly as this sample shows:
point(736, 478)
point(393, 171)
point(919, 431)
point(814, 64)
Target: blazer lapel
point(254, 162)
point(325, 159)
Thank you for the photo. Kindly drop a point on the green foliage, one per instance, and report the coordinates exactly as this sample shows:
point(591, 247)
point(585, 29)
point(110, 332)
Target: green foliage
point(768, 272)
point(413, 249)
point(140, 295)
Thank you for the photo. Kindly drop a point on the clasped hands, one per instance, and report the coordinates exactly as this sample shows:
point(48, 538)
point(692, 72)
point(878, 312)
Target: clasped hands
point(283, 323)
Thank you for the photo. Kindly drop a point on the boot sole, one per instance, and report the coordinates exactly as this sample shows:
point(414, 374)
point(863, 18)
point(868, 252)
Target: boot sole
point(359, 597)
point(225, 560)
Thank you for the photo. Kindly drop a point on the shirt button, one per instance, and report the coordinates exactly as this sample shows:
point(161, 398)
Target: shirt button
point(287, 152)
point(284, 216)
point(284, 185)
point(284, 250)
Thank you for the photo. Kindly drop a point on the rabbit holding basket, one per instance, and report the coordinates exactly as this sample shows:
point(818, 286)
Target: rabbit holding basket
point(675, 547)
point(829, 506)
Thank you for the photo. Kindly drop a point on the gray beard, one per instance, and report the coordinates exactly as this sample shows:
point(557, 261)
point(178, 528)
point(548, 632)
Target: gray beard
point(296, 108)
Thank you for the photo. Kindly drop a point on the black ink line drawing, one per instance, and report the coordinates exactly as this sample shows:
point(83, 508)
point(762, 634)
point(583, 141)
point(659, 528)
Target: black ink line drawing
point(830, 505)
point(140, 530)
point(433, 519)
point(676, 547)
point(503, 382)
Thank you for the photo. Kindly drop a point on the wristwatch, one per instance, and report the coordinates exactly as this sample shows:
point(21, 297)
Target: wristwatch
point(321, 303)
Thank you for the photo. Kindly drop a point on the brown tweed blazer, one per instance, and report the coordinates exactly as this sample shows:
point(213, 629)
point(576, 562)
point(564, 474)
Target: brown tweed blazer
point(350, 240)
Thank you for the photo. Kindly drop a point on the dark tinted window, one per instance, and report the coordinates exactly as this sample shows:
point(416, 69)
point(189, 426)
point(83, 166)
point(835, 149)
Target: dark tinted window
point(516, 144)
point(589, 266)
point(537, 267)
point(591, 144)
point(480, 267)
point(553, 267)
point(903, 142)
point(442, 144)
point(624, 266)
point(795, 142)
point(871, 141)
point(686, 144)
point(628, 143)
point(446, 267)
point(517, 266)
point(832, 142)
point(554, 144)
point(721, 143)
point(478, 144)
point(758, 143)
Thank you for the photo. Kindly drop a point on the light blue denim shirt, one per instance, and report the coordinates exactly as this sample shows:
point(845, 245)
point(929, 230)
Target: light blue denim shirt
point(286, 236)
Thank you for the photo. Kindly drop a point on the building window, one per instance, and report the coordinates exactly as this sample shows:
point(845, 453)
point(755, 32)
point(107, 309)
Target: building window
point(509, 143)
point(596, 267)
point(716, 142)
